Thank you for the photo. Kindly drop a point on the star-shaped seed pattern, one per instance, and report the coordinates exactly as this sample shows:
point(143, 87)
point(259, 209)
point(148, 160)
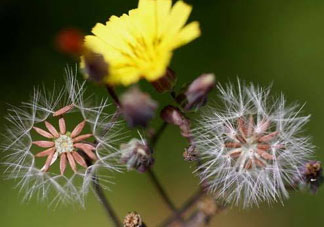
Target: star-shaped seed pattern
point(249, 145)
point(64, 144)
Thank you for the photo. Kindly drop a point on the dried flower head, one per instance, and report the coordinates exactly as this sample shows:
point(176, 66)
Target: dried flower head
point(140, 44)
point(54, 131)
point(172, 115)
point(138, 108)
point(311, 175)
point(133, 219)
point(190, 154)
point(251, 147)
point(136, 155)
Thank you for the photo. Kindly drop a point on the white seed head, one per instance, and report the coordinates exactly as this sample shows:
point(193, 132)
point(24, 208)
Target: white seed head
point(251, 146)
point(18, 144)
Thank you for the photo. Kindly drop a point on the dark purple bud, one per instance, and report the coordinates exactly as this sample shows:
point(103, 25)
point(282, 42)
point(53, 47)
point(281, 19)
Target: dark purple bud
point(136, 155)
point(137, 107)
point(195, 96)
point(166, 82)
point(95, 67)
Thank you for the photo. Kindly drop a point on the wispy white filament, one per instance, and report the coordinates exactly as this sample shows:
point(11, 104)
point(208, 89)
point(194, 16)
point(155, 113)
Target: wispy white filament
point(243, 176)
point(19, 153)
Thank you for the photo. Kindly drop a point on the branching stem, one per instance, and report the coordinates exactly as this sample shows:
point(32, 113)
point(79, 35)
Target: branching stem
point(186, 206)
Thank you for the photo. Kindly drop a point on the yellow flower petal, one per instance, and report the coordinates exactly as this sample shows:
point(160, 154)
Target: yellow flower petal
point(187, 34)
point(140, 44)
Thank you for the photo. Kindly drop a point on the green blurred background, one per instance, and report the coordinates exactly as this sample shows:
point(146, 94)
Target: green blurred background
point(261, 41)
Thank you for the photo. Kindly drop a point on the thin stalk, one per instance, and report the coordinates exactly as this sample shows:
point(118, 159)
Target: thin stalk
point(161, 190)
point(155, 138)
point(101, 195)
point(113, 95)
point(102, 198)
point(152, 144)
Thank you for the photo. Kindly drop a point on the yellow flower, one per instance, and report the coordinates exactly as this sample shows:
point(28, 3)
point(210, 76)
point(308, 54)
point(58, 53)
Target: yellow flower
point(140, 44)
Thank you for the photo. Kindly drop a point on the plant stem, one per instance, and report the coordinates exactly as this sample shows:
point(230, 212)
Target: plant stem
point(101, 196)
point(113, 95)
point(186, 206)
point(152, 143)
point(155, 138)
point(161, 190)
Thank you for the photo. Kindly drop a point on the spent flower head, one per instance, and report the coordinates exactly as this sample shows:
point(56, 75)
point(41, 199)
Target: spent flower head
point(140, 44)
point(137, 155)
point(311, 176)
point(133, 219)
point(251, 146)
point(54, 131)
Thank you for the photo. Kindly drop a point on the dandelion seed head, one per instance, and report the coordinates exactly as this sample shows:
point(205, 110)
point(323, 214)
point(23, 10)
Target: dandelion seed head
point(251, 145)
point(50, 153)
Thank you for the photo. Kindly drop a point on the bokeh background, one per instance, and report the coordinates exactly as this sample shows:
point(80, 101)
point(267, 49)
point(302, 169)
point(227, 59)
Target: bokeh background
point(279, 42)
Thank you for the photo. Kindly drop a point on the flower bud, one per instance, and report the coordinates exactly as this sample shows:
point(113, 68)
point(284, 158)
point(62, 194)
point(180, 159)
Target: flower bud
point(195, 95)
point(133, 219)
point(311, 175)
point(95, 67)
point(137, 107)
point(136, 155)
point(166, 82)
point(173, 115)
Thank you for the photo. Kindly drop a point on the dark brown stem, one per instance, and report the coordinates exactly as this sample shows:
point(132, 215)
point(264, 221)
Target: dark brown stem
point(155, 138)
point(113, 95)
point(152, 144)
point(186, 206)
point(100, 194)
point(161, 190)
point(102, 198)
point(200, 218)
